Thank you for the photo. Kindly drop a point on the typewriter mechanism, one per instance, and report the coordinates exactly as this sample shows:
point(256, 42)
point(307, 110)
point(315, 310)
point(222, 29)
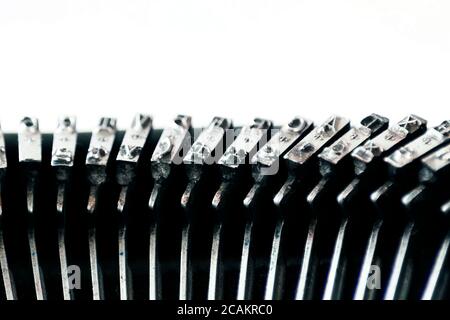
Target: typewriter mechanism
point(332, 210)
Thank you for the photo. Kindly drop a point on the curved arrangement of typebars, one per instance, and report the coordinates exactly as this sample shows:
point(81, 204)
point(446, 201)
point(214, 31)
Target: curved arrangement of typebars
point(328, 211)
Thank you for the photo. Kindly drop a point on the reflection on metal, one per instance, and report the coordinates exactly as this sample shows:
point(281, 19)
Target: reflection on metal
point(436, 279)
point(274, 287)
point(154, 271)
point(400, 273)
point(367, 262)
point(307, 270)
point(215, 288)
point(185, 287)
point(334, 278)
point(246, 267)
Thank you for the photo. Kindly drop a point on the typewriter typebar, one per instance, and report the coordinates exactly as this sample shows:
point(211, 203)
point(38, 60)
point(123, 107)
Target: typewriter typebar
point(333, 210)
point(97, 162)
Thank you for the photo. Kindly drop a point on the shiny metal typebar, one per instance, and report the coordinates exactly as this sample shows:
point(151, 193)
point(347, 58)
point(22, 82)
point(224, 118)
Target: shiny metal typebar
point(266, 163)
point(332, 211)
point(400, 161)
point(126, 170)
point(332, 158)
point(373, 151)
point(299, 160)
point(97, 160)
point(199, 162)
point(63, 156)
point(231, 165)
point(165, 161)
point(30, 155)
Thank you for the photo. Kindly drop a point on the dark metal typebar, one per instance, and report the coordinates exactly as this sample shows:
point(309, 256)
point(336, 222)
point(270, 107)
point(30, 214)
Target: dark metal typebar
point(8, 280)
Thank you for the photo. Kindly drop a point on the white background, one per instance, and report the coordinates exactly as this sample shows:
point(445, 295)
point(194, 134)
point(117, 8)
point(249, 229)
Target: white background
point(238, 59)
